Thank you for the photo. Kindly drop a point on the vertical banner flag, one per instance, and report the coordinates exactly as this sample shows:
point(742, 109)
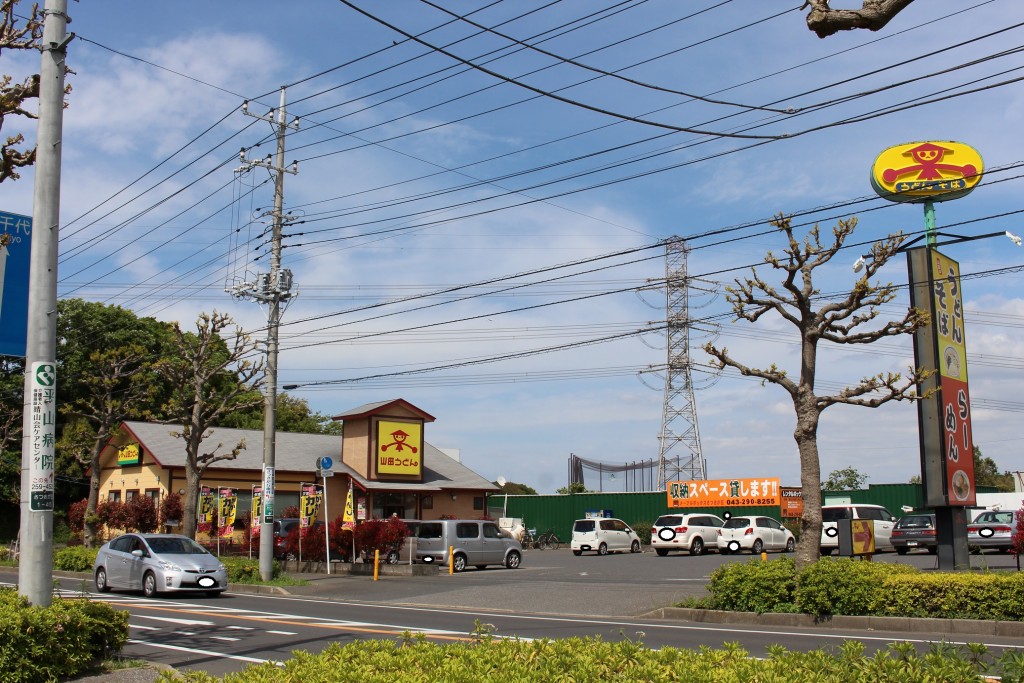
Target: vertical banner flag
point(228, 506)
point(205, 508)
point(257, 510)
point(348, 520)
point(311, 497)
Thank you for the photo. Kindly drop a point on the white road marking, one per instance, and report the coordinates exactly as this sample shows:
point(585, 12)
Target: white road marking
point(208, 653)
point(183, 622)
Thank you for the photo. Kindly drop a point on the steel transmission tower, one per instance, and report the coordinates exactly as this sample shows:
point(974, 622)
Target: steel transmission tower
point(680, 455)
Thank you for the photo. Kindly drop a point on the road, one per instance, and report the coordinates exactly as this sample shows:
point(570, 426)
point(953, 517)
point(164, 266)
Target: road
point(554, 595)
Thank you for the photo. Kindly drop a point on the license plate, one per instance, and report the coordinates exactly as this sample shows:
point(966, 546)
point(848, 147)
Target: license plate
point(911, 542)
point(207, 582)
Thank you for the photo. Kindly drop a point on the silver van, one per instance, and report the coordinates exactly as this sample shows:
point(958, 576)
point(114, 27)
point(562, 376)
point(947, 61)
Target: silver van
point(473, 542)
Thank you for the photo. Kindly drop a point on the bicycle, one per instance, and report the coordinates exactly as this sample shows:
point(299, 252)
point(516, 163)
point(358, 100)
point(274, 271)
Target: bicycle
point(529, 539)
point(548, 540)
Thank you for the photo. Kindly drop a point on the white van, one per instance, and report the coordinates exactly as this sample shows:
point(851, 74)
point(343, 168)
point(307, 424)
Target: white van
point(831, 514)
point(603, 535)
point(472, 542)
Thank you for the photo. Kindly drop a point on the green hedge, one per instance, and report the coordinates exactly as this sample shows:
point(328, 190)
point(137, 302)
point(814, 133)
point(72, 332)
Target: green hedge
point(74, 559)
point(853, 587)
point(588, 659)
point(246, 570)
point(65, 640)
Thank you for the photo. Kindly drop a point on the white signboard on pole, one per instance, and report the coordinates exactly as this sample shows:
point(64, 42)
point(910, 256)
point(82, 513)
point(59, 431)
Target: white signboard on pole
point(43, 404)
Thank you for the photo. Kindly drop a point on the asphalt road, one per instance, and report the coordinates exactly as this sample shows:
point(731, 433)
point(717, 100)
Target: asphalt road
point(552, 595)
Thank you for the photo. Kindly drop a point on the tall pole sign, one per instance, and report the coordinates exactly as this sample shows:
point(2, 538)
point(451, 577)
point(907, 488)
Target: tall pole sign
point(925, 173)
point(15, 246)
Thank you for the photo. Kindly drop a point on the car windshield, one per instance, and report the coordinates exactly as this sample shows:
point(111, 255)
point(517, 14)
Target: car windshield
point(737, 523)
point(176, 546)
point(835, 514)
point(915, 522)
point(584, 526)
point(994, 518)
point(669, 520)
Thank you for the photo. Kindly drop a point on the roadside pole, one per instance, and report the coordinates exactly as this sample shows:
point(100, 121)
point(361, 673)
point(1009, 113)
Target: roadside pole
point(35, 568)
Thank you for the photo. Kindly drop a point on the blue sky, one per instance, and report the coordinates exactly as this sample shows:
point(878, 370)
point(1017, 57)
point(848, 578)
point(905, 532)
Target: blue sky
point(418, 174)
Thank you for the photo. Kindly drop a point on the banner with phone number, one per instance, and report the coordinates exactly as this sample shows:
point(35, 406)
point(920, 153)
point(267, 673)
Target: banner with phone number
point(717, 493)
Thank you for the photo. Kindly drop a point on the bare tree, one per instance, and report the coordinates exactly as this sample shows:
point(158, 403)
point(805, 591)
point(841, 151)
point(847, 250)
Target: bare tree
point(837, 320)
point(873, 15)
point(14, 95)
point(112, 394)
point(210, 378)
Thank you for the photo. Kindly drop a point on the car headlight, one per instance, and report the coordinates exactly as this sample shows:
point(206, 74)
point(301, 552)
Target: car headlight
point(169, 566)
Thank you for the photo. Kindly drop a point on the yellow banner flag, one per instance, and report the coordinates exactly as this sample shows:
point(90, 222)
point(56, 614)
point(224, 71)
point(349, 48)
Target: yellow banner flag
point(349, 518)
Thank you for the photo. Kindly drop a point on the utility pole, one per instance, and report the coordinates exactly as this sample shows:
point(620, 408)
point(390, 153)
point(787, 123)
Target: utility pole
point(35, 566)
point(272, 289)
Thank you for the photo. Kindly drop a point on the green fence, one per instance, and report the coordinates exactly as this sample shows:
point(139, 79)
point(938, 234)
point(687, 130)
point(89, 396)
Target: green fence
point(641, 509)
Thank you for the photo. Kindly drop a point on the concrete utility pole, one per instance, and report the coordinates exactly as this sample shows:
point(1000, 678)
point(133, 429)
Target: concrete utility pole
point(35, 566)
point(273, 289)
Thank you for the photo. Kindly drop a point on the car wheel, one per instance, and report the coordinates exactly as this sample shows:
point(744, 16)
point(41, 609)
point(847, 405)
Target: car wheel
point(602, 549)
point(662, 552)
point(757, 548)
point(392, 557)
point(149, 585)
point(790, 545)
point(635, 547)
point(902, 550)
point(577, 553)
point(512, 560)
point(101, 581)
point(697, 546)
point(460, 562)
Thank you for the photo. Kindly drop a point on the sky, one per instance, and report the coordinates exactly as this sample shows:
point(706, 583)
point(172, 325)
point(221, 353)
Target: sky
point(493, 203)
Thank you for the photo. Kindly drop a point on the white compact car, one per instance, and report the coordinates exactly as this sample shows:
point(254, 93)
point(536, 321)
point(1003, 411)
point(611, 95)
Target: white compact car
point(603, 535)
point(831, 514)
point(755, 534)
point(695, 533)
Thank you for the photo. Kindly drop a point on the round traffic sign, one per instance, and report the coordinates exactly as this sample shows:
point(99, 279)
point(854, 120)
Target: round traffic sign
point(326, 463)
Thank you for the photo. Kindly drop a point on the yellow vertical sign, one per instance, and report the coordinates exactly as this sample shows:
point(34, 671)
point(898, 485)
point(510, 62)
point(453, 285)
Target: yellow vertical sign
point(399, 447)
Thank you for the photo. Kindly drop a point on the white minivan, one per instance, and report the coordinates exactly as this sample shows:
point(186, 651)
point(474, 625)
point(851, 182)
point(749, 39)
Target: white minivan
point(603, 535)
point(471, 542)
point(831, 514)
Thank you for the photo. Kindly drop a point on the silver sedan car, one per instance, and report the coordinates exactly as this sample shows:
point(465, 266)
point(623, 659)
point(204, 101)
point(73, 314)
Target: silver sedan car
point(158, 563)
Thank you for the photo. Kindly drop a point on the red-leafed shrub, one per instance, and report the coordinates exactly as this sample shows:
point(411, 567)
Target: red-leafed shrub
point(76, 515)
point(1018, 537)
point(380, 534)
point(171, 509)
point(142, 514)
point(113, 514)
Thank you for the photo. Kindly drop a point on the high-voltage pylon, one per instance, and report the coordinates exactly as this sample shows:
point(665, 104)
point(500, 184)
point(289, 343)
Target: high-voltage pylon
point(680, 455)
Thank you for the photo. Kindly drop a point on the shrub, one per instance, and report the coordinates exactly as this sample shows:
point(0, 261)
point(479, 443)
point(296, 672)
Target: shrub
point(142, 514)
point(955, 596)
point(643, 530)
point(65, 640)
point(845, 586)
point(76, 515)
point(754, 586)
point(171, 509)
point(74, 559)
point(246, 570)
point(380, 534)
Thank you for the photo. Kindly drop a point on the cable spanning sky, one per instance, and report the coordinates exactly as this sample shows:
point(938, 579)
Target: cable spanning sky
point(484, 191)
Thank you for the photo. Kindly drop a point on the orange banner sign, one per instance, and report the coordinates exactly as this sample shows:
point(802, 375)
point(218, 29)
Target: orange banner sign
point(724, 493)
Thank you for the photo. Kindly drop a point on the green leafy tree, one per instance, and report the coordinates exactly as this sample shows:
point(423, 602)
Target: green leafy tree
point(574, 487)
point(292, 415)
point(843, 319)
point(210, 378)
point(986, 473)
point(514, 489)
point(846, 479)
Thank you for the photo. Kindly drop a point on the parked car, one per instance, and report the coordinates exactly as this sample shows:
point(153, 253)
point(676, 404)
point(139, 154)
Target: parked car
point(992, 529)
point(831, 514)
point(282, 527)
point(158, 563)
point(472, 542)
point(603, 535)
point(756, 534)
point(695, 533)
point(406, 551)
point(915, 530)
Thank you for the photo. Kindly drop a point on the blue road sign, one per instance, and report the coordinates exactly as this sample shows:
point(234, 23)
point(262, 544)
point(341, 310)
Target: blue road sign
point(326, 463)
point(15, 250)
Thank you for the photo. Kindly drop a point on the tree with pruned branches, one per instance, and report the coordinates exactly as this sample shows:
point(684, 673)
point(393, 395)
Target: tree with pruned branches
point(873, 15)
point(14, 95)
point(848, 319)
point(211, 377)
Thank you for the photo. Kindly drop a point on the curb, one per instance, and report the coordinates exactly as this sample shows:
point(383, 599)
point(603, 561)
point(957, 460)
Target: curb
point(956, 627)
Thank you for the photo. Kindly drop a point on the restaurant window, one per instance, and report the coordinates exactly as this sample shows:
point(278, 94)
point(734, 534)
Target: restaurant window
point(130, 494)
point(155, 495)
point(114, 496)
point(478, 502)
point(428, 502)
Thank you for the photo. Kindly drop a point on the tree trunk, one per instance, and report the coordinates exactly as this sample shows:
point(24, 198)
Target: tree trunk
point(89, 529)
point(191, 503)
point(806, 435)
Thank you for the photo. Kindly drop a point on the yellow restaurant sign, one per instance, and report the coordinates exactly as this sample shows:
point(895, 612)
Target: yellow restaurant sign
point(129, 455)
point(724, 493)
point(399, 448)
point(926, 171)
